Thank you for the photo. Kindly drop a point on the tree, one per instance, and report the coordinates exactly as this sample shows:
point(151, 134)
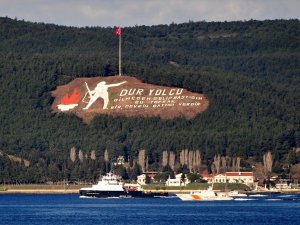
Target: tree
point(193, 177)
point(217, 163)
point(164, 161)
point(106, 156)
point(141, 159)
point(148, 180)
point(73, 154)
point(80, 155)
point(93, 155)
point(292, 157)
point(182, 179)
point(120, 171)
point(134, 172)
point(268, 163)
point(172, 160)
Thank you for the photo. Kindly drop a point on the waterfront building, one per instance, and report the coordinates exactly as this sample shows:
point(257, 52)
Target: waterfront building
point(235, 177)
point(177, 181)
point(141, 179)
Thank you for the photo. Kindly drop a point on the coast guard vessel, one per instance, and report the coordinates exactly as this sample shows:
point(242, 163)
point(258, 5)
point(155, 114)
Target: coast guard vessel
point(205, 195)
point(110, 186)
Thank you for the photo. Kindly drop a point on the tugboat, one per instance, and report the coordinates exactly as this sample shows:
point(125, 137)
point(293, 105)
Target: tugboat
point(110, 186)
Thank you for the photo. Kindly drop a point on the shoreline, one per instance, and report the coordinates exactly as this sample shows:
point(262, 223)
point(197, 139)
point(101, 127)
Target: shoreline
point(76, 191)
point(38, 191)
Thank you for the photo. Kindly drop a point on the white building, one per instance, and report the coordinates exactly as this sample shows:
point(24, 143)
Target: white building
point(141, 179)
point(235, 177)
point(120, 160)
point(177, 181)
point(220, 178)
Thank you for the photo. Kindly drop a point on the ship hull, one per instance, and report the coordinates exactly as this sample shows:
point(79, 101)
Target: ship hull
point(120, 194)
point(196, 197)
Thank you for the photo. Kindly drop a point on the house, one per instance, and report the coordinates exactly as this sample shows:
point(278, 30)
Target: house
point(120, 161)
point(177, 181)
point(220, 178)
point(235, 177)
point(141, 179)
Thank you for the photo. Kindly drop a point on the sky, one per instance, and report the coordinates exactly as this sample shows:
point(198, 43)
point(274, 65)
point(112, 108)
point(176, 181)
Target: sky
point(110, 13)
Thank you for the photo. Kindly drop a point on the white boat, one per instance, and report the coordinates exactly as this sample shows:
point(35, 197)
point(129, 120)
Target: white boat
point(110, 186)
point(205, 195)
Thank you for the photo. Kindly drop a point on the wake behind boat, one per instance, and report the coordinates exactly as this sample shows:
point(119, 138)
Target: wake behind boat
point(110, 186)
point(236, 194)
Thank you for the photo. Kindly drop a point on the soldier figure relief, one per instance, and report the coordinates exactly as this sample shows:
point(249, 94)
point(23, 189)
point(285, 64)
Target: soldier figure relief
point(101, 91)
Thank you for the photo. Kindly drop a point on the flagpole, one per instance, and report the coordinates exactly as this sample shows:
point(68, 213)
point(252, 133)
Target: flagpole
point(120, 72)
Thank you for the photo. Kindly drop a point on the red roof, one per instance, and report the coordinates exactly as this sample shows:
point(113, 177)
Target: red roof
point(150, 174)
point(206, 175)
point(236, 174)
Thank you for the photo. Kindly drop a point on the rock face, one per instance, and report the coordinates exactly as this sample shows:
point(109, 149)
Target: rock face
point(126, 96)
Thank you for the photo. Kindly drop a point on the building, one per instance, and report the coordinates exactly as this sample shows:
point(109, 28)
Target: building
point(141, 179)
point(235, 177)
point(177, 181)
point(219, 178)
point(120, 161)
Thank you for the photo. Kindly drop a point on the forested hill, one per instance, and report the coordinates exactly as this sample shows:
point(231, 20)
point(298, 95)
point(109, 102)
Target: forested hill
point(249, 72)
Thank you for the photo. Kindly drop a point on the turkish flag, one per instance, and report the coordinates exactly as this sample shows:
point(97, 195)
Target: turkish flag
point(118, 31)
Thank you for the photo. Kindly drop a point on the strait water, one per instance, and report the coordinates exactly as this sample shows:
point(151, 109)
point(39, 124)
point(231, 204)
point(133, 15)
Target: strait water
point(70, 209)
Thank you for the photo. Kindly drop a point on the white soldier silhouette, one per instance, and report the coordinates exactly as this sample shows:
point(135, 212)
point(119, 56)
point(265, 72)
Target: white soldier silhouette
point(101, 91)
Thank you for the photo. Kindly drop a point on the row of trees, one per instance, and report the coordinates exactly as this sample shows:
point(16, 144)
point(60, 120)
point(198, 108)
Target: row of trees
point(88, 169)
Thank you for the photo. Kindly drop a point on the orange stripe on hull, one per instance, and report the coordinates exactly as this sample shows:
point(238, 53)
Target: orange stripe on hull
point(196, 197)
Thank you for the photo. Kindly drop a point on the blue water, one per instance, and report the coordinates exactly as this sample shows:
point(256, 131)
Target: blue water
point(70, 209)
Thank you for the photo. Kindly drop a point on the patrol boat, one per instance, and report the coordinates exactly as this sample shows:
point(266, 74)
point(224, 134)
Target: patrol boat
point(205, 195)
point(110, 186)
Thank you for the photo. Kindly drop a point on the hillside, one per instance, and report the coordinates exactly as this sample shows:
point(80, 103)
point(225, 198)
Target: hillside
point(249, 72)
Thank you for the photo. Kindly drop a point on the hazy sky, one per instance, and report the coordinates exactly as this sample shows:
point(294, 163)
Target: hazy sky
point(146, 12)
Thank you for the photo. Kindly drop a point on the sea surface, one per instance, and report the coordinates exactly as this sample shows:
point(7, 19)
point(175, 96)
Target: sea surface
point(70, 209)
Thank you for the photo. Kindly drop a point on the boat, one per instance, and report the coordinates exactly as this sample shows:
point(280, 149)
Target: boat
point(205, 195)
point(110, 186)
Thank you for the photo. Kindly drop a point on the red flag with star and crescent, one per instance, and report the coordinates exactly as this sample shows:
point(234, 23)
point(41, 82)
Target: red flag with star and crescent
point(118, 31)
